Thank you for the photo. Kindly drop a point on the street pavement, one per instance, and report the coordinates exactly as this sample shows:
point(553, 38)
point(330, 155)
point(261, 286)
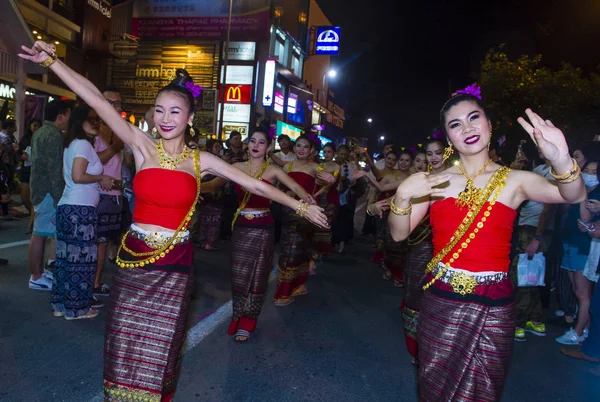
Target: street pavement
point(341, 342)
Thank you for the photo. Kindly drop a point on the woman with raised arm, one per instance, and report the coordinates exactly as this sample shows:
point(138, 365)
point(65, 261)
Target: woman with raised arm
point(151, 292)
point(252, 238)
point(297, 234)
point(467, 317)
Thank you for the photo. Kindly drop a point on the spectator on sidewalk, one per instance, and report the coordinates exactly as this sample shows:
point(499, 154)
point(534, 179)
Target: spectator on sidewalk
point(47, 185)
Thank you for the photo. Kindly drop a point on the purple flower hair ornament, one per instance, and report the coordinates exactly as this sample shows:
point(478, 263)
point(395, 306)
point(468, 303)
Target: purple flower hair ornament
point(473, 90)
point(194, 89)
point(272, 132)
point(438, 135)
point(413, 150)
point(313, 137)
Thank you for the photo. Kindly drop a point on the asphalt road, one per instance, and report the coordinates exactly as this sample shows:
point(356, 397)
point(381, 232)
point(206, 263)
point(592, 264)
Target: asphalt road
point(341, 342)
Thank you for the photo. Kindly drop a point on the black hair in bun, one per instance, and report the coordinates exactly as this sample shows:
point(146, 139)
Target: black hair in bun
point(178, 86)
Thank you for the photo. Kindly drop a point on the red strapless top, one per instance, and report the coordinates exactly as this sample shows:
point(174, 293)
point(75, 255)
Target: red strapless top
point(332, 195)
point(489, 251)
point(255, 201)
point(163, 197)
point(305, 180)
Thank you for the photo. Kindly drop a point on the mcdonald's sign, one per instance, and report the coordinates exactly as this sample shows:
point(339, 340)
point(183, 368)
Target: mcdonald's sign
point(237, 94)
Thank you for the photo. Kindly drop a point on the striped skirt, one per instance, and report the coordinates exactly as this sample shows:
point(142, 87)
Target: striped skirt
point(418, 257)
point(296, 238)
point(210, 215)
point(146, 326)
point(322, 238)
point(251, 264)
point(465, 343)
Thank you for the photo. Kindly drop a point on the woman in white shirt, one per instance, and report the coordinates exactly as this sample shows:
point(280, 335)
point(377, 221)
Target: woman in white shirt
point(76, 219)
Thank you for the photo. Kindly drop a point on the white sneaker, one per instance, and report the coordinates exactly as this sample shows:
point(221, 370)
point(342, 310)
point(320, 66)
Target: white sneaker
point(559, 313)
point(49, 275)
point(586, 333)
point(570, 338)
point(41, 284)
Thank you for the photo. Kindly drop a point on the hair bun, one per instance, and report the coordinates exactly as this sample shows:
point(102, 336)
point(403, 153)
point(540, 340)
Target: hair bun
point(182, 77)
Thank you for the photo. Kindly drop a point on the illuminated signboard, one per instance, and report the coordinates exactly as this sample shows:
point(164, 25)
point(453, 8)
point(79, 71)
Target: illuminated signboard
point(237, 93)
point(238, 75)
point(7, 91)
point(291, 131)
point(327, 40)
point(269, 83)
point(292, 103)
point(242, 128)
point(240, 51)
point(279, 101)
point(235, 113)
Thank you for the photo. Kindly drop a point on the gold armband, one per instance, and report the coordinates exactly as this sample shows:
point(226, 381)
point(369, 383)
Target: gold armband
point(568, 177)
point(399, 211)
point(49, 61)
point(301, 208)
point(369, 212)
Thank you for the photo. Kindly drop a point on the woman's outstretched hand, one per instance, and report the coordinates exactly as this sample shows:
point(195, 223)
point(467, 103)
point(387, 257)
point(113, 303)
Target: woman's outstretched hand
point(39, 52)
point(315, 215)
point(421, 185)
point(549, 139)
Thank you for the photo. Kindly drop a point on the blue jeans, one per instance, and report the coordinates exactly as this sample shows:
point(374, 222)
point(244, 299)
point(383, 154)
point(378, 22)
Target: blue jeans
point(591, 346)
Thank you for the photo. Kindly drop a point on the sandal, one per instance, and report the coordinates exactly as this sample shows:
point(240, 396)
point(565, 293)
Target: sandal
point(241, 335)
point(92, 313)
point(284, 301)
point(301, 291)
point(398, 284)
point(387, 275)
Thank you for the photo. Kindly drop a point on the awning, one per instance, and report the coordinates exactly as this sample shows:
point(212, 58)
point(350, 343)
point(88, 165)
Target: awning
point(15, 33)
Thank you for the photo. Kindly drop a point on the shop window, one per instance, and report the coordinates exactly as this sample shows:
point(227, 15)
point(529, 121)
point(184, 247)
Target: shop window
point(279, 50)
point(296, 64)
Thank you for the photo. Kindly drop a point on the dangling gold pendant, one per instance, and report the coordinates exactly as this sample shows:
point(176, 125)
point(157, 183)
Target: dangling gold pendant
point(468, 196)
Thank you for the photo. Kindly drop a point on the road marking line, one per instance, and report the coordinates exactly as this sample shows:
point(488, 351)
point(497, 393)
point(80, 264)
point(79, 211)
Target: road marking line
point(14, 244)
point(204, 328)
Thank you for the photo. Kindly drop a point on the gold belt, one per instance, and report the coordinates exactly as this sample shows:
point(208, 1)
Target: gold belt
point(157, 240)
point(465, 283)
point(251, 215)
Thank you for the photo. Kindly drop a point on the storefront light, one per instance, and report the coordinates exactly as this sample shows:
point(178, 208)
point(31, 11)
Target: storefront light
point(57, 42)
point(34, 32)
point(39, 37)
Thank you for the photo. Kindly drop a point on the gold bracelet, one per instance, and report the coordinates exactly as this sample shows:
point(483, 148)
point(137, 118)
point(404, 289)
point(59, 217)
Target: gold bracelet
point(399, 211)
point(570, 179)
point(369, 212)
point(49, 61)
point(303, 211)
point(299, 207)
point(567, 174)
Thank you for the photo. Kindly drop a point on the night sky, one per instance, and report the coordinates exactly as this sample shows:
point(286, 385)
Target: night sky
point(402, 60)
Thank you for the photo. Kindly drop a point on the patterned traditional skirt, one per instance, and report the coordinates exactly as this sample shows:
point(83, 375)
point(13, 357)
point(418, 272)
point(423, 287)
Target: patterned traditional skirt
point(395, 253)
point(146, 325)
point(251, 264)
point(209, 218)
point(381, 227)
point(110, 213)
point(465, 342)
point(418, 257)
point(76, 256)
point(296, 237)
point(322, 239)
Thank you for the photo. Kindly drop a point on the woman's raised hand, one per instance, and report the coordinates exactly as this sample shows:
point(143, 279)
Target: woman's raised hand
point(549, 139)
point(379, 207)
point(421, 185)
point(39, 52)
point(315, 215)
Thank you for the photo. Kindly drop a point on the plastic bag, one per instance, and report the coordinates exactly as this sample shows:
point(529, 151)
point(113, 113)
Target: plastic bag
point(531, 272)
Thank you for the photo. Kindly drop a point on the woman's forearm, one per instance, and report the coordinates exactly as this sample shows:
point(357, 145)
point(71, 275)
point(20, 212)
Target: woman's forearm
point(85, 178)
point(266, 190)
point(571, 192)
point(77, 83)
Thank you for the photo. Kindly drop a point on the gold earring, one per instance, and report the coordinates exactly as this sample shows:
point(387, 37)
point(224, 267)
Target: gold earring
point(490, 143)
point(192, 131)
point(448, 151)
point(154, 132)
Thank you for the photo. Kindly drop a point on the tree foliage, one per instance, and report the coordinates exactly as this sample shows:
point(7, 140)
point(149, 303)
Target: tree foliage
point(566, 96)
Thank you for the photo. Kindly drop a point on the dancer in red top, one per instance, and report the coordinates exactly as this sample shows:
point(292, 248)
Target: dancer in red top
point(151, 292)
point(252, 240)
point(467, 318)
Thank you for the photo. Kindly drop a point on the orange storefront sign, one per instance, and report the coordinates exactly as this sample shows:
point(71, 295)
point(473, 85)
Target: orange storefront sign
point(237, 94)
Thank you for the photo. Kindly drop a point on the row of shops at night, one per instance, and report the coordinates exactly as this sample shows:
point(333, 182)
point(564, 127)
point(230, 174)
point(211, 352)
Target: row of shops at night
point(269, 69)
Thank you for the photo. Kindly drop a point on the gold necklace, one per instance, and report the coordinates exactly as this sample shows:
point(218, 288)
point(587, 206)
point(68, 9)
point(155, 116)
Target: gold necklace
point(170, 162)
point(470, 194)
point(256, 171)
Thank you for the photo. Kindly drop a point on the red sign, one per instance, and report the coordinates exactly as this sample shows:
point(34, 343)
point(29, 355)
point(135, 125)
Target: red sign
point(237, 94)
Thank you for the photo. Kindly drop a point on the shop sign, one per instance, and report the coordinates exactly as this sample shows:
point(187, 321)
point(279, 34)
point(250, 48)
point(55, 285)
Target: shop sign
point(240, 51)
point(235, 113)
point(289, 130)
point(279, 101)
point(292, 103)
point(242, 128)
point(327, 41)
point(238, 93)
point(269, 83)
point(101, 5)
point(7, 91)
point(238, 75)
